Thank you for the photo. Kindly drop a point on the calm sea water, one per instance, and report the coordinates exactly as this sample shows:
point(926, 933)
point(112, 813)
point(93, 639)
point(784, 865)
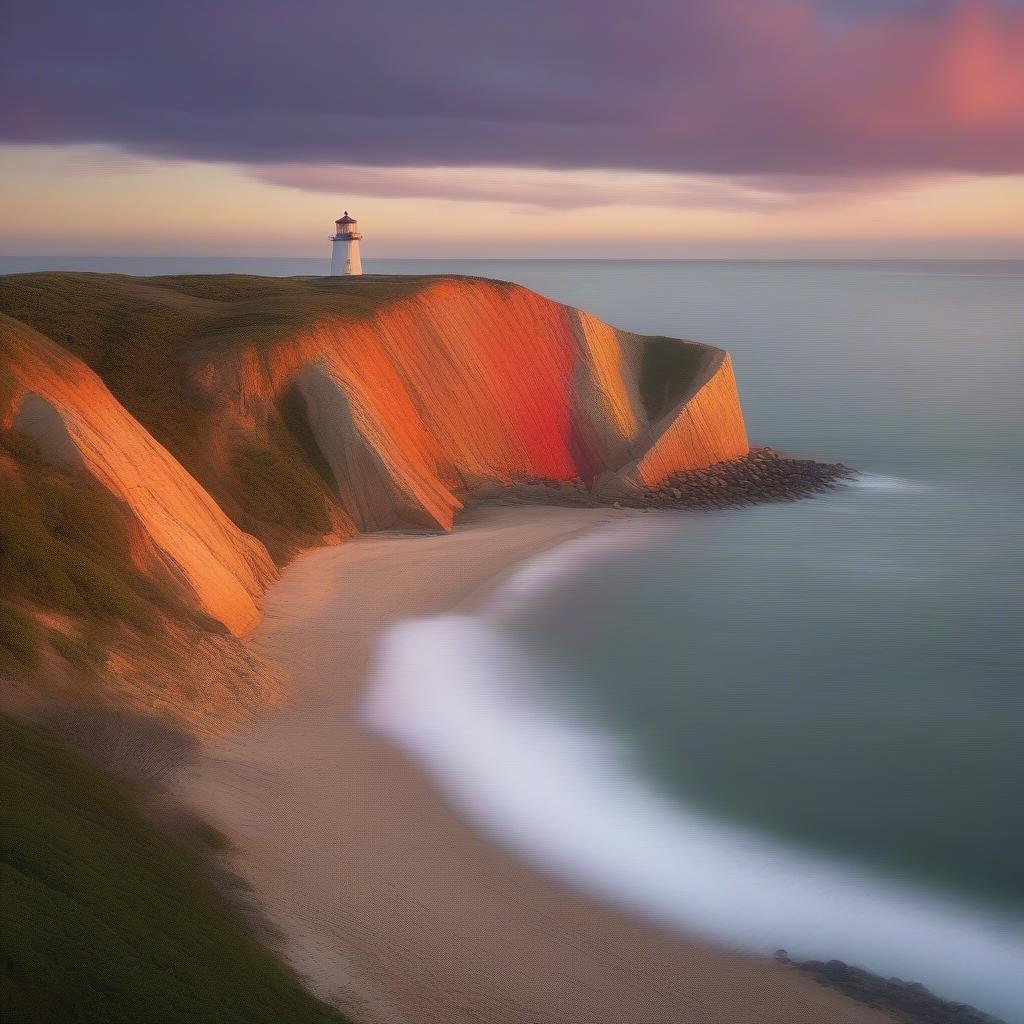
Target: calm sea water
point(797, 725)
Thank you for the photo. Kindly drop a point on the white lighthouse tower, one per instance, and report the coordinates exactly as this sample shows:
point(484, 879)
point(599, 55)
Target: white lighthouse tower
point(345, 255)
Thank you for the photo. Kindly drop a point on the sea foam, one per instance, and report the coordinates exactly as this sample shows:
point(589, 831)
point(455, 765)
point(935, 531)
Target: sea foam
point(481, 714)
point(883, 482)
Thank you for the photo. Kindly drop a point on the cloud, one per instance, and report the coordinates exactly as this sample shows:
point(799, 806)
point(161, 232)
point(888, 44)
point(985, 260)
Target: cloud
point(530, 187)
point(756, 90)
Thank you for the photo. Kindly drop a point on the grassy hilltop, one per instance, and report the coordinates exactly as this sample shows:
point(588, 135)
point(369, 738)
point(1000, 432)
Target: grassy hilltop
point(137, 334)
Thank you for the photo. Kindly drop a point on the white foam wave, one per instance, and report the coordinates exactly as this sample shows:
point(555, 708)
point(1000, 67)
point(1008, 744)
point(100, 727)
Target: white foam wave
point(472, 707)
point(881, 482)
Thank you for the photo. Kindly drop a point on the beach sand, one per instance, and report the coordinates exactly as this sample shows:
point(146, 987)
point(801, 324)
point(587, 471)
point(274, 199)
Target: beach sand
point(383, 898)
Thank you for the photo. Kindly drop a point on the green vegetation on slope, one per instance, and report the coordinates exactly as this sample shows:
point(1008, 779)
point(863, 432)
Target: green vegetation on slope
point(64, 548)
point(107, 920)
point(138, 333)
point(280, 488)
point(668, 372)
point(132, 337)
point(19, 639)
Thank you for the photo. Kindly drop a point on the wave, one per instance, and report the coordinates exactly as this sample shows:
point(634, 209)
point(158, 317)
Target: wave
point(881, 482)
point(481, 714)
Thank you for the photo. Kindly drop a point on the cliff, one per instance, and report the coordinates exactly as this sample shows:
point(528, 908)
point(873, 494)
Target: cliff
point(183, 536)
point(234, 420)
point(467, 384)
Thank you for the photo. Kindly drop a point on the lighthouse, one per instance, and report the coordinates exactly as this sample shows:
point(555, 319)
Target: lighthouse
point(345, 255)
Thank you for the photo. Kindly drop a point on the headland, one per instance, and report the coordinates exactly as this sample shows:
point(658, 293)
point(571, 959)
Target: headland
point(171, 446)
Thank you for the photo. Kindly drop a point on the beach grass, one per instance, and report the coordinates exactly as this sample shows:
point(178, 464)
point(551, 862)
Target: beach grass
point(108, 920)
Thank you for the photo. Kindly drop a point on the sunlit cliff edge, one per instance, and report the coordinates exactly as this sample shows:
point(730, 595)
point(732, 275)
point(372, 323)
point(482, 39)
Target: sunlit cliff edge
point(232, 421)
point(69, 413)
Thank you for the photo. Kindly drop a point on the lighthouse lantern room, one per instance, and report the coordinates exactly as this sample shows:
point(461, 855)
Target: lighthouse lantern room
point(345, 255)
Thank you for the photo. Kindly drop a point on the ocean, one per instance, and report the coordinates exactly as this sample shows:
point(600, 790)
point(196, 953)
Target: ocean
point(798, 725)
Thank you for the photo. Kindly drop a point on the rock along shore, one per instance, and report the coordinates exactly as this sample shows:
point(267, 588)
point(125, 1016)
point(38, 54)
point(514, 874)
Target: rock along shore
point(763, 475)
point(909, 999)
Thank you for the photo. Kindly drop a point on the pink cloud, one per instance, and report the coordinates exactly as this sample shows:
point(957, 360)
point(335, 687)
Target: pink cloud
point(722, 87)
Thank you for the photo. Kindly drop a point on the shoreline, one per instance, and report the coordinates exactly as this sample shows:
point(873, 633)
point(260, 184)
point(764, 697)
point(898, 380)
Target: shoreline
point(384, 899)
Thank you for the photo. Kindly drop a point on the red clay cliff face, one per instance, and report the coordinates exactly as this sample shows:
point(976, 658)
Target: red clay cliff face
point(411, 406)
point(469, 384)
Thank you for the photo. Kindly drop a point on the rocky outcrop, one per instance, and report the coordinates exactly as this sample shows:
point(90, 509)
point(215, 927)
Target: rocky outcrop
point(404, 398)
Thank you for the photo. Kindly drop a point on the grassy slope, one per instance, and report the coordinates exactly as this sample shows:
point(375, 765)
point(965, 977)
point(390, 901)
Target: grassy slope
point(64, 549)
point(137, 333)
point(106, 920)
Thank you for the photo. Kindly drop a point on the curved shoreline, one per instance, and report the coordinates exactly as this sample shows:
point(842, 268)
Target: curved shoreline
point(579, 809)
point(388, 903)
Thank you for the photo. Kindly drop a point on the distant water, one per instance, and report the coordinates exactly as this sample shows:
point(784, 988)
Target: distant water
point(796, 725)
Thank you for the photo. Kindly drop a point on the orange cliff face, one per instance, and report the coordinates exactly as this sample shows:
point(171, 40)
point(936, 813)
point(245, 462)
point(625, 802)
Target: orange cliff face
point(411, 397)
point(190, 543)
point(703, 427)
point(473, 383)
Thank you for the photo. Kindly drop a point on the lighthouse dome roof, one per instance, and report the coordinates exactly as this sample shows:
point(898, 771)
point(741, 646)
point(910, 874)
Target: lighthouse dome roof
point(346, 219)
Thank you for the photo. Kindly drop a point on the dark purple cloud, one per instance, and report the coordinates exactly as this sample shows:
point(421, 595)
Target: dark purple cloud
point(741, 87)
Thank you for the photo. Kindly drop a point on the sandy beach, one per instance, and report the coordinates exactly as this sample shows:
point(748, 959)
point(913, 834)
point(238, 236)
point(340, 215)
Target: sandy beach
point(384, 899)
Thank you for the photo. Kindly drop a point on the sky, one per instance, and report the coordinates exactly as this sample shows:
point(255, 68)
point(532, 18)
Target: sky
point(658, 128)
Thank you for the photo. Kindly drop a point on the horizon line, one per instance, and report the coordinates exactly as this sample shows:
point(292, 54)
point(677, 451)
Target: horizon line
point(533, 259)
